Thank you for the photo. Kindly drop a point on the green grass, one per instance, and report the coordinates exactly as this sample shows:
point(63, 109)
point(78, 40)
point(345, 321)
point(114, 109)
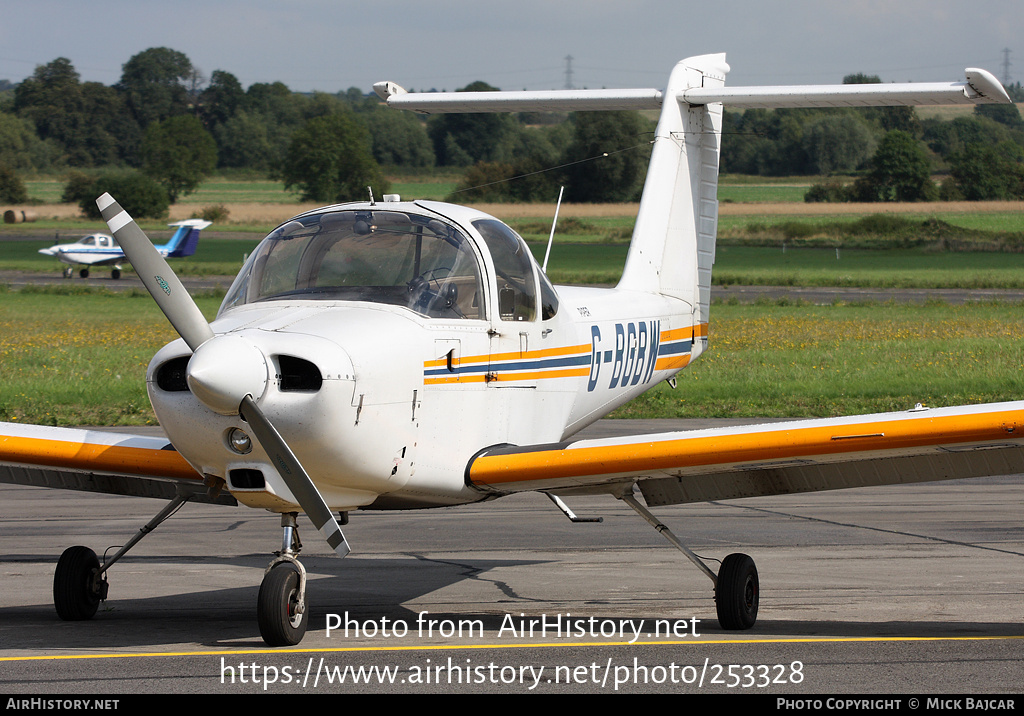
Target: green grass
point(762, 193)
point(797, 361)
point(894, 268)
point(79, 357)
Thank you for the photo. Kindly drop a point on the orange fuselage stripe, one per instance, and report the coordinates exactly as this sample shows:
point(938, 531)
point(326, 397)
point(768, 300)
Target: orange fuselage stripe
point(710, 451)
point(96, 458)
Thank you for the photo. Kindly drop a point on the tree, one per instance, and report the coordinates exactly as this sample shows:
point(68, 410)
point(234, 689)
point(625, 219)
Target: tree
point(221, 99)
point(461, 139)
point(900, 171)
point(1007, 114)
point(244, 142)
point(12, 188)
point(155, 84)
point(886, 118)
point(329, 159)
point(984, 172)
point(615, 141)
point(399, 138)
point(178, 153)
point(837, 144)
point(138, 194)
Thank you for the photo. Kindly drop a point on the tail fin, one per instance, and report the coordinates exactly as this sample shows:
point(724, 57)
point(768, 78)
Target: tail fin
point(673, 245)
point(185, 239)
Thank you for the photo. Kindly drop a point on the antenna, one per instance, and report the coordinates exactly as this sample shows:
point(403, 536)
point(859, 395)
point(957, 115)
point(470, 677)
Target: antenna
point(551, 238)
point(372, 202)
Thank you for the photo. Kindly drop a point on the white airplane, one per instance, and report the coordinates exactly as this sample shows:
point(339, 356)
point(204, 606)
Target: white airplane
point(399, 355)
point(103, 250)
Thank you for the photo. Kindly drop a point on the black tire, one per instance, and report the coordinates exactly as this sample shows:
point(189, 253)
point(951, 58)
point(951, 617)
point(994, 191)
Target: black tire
point(737, 593)
point(276, 605)
point(75, 594)
point(115, 274)
point(84, 273)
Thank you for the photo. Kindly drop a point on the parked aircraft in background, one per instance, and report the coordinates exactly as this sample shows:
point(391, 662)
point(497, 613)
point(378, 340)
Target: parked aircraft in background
point(411, 354)
point(102, 249)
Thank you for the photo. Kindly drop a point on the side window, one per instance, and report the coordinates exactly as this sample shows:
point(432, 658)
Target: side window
point(517, 285)
point(548, 298)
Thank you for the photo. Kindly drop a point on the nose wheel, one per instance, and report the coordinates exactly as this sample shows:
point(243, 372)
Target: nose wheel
point(281, 607)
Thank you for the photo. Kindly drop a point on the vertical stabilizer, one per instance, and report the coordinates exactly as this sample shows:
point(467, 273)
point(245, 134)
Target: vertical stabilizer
point(673, 245)
point(185, 239)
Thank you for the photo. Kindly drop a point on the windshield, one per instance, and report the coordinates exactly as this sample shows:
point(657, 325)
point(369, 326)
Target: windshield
point(383, 256)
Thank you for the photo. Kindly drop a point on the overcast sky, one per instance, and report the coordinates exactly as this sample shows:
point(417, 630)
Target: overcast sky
point(331, 45)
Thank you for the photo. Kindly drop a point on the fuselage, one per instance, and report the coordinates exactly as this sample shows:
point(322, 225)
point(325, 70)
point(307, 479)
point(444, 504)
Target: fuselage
point(385, 387)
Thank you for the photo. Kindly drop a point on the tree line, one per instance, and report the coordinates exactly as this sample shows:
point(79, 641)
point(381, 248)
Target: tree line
point(165, 126)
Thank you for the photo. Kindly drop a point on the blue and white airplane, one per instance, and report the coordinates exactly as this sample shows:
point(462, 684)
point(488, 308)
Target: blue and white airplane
point(103, 250)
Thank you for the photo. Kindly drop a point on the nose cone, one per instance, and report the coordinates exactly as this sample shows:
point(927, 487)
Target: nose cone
point(225, 369)
point(52, 251)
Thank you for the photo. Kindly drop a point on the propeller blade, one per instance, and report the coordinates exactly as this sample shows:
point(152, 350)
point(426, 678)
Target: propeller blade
point(302, 487)
point(157, 276)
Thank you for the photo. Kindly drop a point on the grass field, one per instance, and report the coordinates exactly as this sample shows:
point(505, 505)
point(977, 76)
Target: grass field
point(575, 262)
point(81, 359)
point(796, 361)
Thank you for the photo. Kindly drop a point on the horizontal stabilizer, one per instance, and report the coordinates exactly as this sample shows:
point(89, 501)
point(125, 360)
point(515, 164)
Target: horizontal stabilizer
point(981, 87)
point(539, 101)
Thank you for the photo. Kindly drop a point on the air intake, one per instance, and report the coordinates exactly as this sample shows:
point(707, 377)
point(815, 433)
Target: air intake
point(298, 375)
point(171, 375)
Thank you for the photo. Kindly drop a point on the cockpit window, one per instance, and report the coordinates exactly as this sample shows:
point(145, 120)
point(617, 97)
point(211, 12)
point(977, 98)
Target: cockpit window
point(381, 256)
point(517, 289)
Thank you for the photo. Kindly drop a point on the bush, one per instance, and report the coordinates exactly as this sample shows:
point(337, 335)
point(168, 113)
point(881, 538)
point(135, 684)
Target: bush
point(832, 190)
point(78, 187)
point(139, 195)
point(217, 213)
point(12, 188)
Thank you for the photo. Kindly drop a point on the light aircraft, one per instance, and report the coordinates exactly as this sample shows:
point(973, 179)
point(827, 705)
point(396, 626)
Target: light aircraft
point(103, 250)
point(392, 355)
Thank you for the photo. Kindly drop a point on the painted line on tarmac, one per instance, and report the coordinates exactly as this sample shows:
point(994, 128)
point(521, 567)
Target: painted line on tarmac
point(541, 645)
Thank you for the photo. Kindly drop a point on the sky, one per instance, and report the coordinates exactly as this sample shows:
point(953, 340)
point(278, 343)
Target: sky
point(331, 45)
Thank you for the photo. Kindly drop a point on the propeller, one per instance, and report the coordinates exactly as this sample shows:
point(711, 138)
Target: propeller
point(228, 374)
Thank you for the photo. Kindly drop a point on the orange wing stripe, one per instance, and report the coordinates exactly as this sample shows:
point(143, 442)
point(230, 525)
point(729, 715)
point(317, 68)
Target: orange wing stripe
point(96, 458)
point(710, 451)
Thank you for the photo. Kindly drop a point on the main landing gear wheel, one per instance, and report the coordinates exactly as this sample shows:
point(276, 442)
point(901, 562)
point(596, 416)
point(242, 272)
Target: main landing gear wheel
point(76, 590)
point(736, 593)
point(279, 610)
point(84, 273)
point(115, 273)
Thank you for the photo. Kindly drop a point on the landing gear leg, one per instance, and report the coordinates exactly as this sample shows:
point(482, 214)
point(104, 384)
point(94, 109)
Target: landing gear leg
point(736, 587)
point(79, 584)
point(69, 271)
point(281, 608)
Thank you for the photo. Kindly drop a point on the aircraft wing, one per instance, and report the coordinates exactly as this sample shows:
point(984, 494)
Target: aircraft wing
point(98, 461)
point(919, 445)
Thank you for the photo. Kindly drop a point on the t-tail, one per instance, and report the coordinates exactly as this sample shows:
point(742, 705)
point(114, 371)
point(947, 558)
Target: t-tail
point(673, 245)
point(185, 239)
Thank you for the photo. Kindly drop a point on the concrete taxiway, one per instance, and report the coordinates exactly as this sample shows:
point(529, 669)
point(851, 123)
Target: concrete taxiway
point(908, 590)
